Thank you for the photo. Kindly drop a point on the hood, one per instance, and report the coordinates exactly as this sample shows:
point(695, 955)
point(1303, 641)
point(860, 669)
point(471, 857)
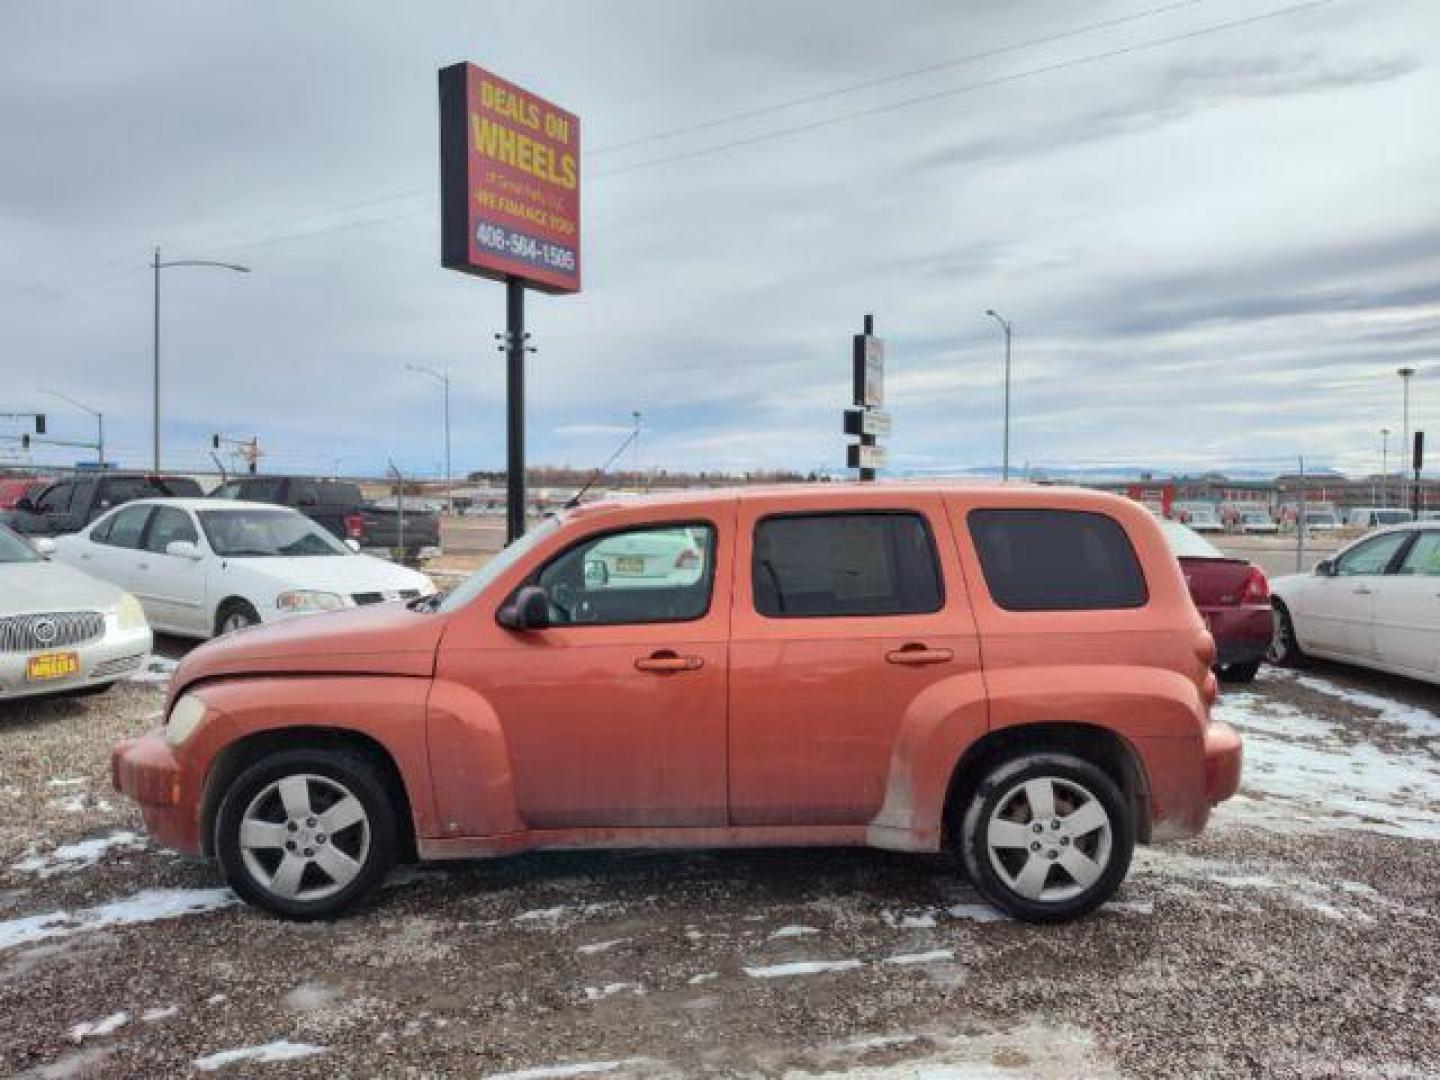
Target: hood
point(32, 587)
point(344, 574)
point(387, 639)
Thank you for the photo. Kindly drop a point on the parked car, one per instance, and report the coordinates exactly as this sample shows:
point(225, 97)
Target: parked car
point(1317, 521)
point(68, 505)
point(1373, 604)
point(1013, 673)
point(1374, 517)
point(61, 631)
point(340, 506)
point(1202, 518)
point(1232, 596)
point(1256, 522)
point(203, 568)
point(12, 491)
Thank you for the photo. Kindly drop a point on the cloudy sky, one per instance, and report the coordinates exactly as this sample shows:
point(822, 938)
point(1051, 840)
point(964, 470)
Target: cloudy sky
point(1215, 225)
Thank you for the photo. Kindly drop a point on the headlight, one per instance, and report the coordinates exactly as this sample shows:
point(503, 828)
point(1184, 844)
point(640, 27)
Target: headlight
point(309, 600)
point(185, 717)
point(130, 615)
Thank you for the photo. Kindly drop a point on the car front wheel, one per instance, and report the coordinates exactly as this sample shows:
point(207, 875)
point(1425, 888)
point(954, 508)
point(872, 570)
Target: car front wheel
point(1284, 645)
point(306, 834)
point(1046, 837)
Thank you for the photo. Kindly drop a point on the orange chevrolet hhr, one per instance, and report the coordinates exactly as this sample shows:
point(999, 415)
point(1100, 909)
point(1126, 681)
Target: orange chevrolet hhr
point(1014, 673)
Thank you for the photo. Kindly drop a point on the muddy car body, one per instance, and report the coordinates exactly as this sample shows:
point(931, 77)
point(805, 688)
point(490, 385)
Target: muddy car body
point(1014, 673)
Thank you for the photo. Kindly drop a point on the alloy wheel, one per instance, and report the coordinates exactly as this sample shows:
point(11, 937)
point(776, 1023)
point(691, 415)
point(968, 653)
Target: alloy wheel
point(1049, 839)
point(304, 837)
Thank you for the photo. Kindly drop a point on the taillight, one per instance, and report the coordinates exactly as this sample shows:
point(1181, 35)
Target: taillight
point(355, 527)
point(689, 559)
point(1256, 589)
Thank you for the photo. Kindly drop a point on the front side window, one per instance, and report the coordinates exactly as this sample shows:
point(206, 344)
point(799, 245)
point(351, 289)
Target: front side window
point(647, 575)
point(15, 550)
point(257, 534)
point(127, 526)
point(168, 526)
point(1423, 558)
point(1057, 560)
point(55, 499)
point(824, 565)
point(1371, 557)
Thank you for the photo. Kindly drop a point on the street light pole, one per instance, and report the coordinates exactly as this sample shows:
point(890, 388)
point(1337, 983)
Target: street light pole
point(99, 422)
point(444, 381)
point(157, 265)
point(1384, 466)
point(1006, 326)
point(1405, 373)
point(635, 450)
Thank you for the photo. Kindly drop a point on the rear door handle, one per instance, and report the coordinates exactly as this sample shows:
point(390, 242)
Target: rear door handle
point(666, 661)
point(919, 654)
point(1362, 591)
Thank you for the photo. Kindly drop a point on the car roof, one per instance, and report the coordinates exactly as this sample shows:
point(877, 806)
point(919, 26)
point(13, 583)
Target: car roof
point(203, 503)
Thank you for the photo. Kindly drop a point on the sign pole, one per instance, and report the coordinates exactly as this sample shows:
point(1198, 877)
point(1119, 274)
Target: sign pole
point(514, 409)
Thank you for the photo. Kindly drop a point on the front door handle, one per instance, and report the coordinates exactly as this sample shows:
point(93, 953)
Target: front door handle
point(1362, 591)
point(666, 661)
point(919, 654)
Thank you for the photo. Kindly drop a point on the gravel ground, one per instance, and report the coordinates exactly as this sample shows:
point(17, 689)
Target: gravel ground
point(1296, 938)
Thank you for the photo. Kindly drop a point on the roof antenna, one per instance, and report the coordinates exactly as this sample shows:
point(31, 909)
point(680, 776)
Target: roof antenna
point(574, 500)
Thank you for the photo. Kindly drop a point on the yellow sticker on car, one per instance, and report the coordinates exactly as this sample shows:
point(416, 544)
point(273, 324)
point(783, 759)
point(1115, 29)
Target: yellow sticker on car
point(630, 565)
point(58, 665)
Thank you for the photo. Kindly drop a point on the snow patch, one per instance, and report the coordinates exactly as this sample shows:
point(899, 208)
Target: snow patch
point(600, 946)
point(793, 931)
point(152, 1016)
point(282, 1050)
point(599, 993)
point(704, 977)
point(579, 1068)
point(932, 957)
point(157, 671)
point(149, 905)
point(801, 967)
point(91, 1029)
point(80, 855)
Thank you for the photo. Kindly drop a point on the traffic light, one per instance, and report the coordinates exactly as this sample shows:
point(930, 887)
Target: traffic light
point(214, 442)
point(25, 441)
point(39, 423)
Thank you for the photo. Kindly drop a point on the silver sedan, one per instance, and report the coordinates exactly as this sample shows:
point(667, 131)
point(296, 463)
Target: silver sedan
point(61, 631)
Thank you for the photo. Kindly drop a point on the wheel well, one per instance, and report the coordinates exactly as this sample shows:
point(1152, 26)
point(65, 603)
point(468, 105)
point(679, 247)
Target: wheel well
point(1102, 748)
point(228, 603)
point(242, 753)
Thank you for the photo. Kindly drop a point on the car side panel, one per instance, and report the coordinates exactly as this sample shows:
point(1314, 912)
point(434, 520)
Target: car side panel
point(470, 764)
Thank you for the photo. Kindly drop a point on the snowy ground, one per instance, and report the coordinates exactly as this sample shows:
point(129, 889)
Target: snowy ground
point(1295, 938)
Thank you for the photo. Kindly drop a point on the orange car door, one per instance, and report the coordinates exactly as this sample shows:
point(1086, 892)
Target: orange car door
point(614, 716)
point(843, 619)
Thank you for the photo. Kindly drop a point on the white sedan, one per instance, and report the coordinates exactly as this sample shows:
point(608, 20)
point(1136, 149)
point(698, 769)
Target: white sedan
point(203, 567)
point(61, 631)
point(1376, 604)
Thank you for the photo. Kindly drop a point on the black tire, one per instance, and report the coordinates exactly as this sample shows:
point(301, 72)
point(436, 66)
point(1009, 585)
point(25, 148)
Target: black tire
point(1240, 673)
point(326, 771)
point(1111, 851)
point(1284, 648)
point(232, 613)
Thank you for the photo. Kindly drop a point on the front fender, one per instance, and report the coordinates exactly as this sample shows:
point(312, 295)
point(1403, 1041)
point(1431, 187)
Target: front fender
point(470, 764)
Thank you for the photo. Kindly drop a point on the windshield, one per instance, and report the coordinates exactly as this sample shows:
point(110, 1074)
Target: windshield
point(238, 534)
point(1189, 544)
point(1254, 517)
point(1320, 519)
point(477, 582)
point(1391, 517)
point(13, 549)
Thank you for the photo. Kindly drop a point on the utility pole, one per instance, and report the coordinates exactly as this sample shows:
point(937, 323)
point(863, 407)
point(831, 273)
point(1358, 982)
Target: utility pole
point(157, 265)
point(1300, 523)
point(635, 449)
point(1384, 466)
point(515, 343)
point(444, 381)
point(1007, 326)
point(1405, 373)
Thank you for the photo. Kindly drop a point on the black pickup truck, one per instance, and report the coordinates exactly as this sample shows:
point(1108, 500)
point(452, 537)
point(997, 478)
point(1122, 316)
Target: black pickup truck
point(339, 506)
point(69, 504)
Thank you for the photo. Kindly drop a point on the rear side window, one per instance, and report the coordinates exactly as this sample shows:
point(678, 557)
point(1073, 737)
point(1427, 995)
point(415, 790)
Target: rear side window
point(127, 526)
point(819, 565)
point(1057, 560)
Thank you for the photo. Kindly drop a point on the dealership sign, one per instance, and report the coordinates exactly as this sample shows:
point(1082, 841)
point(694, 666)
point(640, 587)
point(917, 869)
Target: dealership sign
point(509, 182)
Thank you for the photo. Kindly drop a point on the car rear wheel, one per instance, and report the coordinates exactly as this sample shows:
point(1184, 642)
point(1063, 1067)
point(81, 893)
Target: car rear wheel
point(1284, 646)
point(306, 834)
point(1046, 837)
point(235, 615)
point(1240, 673)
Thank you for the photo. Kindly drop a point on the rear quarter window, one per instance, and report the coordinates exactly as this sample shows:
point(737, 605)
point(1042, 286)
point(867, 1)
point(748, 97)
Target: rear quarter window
point(1057, 560)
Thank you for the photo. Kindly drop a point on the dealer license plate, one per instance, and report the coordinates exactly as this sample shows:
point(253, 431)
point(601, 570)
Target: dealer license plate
point(630, 565)
point(59, 665)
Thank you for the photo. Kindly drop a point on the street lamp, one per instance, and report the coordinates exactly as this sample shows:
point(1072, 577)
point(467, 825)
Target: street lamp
point(1006, 326)
point(157, 266)
point(443, 380)
point(99, 422)
point(1405, 373)
point(1384, 466)
point(635, 450)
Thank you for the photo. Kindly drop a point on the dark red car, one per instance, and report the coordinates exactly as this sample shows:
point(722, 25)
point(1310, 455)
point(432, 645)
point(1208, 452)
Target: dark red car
point(12, 491)
point(1233, 597)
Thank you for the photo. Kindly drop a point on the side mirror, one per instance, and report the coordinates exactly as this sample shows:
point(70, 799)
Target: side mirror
point(353, 544)
point(24, 503)
point(44, 546)
point(183, 549)
point(1325, 568)
point(530, 610)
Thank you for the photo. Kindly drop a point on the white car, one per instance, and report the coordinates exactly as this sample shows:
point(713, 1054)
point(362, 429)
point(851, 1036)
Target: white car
point(1373, 517)
point(203, 567)
point(1257, 522)
point(61, 631)
point(1202, 518)
point(1376, 603)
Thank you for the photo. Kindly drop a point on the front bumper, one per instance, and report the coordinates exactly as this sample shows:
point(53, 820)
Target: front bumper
point(1223, 755)
point(145, 769)
point(117, 655)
